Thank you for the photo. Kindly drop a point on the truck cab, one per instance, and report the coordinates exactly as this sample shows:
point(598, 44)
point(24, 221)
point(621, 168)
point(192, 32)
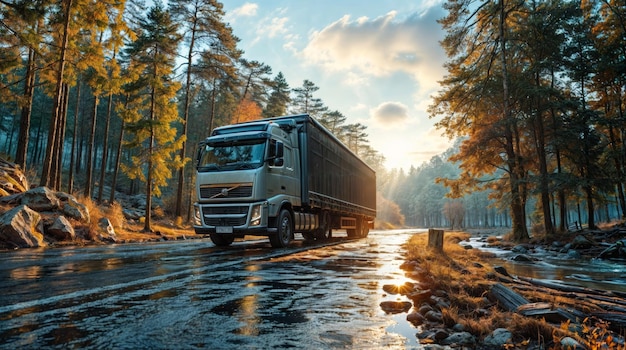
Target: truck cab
point(245, 175)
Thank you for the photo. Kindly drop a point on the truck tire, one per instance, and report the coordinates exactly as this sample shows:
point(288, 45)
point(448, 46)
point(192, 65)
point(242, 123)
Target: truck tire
point(360, 231)
point(285, 230)
point(324, 232)
point(365, 229)
point(221, 240)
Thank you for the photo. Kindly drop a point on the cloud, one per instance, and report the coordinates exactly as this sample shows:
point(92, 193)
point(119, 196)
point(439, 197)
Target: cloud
point(390, 113)
point(246, 10)
point(381, 47)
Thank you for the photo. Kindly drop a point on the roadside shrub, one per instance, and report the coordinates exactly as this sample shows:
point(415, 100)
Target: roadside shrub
point(115, 215)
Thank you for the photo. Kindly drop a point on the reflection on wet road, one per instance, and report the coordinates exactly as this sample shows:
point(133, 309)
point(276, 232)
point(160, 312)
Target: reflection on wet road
point(194, 295)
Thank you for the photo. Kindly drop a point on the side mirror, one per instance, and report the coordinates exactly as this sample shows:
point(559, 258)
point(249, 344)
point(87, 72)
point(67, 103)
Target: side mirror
point(276, 153)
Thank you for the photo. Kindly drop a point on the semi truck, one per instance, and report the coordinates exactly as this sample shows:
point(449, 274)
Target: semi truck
point(279, 176)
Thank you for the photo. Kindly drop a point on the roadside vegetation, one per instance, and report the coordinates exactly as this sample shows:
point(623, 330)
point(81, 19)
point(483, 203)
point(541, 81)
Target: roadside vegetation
point(466, 276)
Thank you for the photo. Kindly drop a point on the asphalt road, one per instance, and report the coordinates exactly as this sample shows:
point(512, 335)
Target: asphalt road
point(191, 294)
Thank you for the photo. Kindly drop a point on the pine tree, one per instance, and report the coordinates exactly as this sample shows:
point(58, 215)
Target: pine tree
point(203, 27)
point(476, 99)
point(153, 132)
point(304, 102)
point(279, 97)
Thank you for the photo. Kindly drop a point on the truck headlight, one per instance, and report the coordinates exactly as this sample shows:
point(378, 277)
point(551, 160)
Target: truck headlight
point(197, 220)
point(255, 217)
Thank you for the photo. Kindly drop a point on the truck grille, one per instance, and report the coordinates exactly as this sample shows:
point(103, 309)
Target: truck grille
point(225, 216)
point(217, 191)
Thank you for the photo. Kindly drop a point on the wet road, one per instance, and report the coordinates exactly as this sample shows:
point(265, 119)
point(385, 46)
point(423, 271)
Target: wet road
point(190, 294)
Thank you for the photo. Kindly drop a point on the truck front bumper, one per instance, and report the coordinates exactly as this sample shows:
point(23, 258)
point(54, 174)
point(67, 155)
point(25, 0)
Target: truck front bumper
point(236, 218)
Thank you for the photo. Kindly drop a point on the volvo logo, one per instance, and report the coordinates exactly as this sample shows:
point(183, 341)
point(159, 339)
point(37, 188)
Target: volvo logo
point(225, 192)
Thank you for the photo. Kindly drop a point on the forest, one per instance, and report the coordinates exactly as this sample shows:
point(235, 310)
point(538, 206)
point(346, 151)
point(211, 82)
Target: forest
point(116, 93)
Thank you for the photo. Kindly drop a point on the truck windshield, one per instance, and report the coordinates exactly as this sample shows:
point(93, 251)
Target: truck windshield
point(229, 156)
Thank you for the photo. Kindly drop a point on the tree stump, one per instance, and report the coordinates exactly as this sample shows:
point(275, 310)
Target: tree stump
point(435, 239)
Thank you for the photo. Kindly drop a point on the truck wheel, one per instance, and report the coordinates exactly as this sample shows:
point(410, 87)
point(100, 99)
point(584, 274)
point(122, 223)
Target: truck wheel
point(221, 240)
point(365, 229)
point(324, 232)
point(285, 230)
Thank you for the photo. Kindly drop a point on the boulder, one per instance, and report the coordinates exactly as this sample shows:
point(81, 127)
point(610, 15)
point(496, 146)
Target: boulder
point(61, 229)
point(12, 179)
point(41, 199)
point(571, 343)
point(460, 338)
point(106, 231)
point(21, 227)
point(72, 208)
point(581, 242)
point(498, 338)
point(415, 318)
point(395, 307)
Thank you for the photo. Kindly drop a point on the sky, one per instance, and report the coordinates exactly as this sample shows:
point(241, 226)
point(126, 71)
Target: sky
point(378, 62)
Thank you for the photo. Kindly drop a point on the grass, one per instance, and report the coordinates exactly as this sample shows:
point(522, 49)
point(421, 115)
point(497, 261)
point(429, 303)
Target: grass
point(463, 275)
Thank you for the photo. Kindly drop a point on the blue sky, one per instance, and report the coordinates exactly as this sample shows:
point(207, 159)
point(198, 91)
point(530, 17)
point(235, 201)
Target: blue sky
point(376, 61)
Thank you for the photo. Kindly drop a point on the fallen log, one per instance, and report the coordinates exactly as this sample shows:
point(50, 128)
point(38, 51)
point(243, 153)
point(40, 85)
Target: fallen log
point(512, 301)
point(616, 320)
point(507, 298)
point(564, 287)
point(550, 313)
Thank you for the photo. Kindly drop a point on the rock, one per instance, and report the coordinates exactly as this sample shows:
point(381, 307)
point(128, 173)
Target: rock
point(434, 316)
point(522, 258)
point(396, 307)
point(460, 338)
point(72, 208)
point(573, 254)
point(40, 199)
point(12, 200)
point(519, 249)
point(581, 242)
point(61, 229)
point(458, 327)
point(571, 343)
point(420, 296)
point(498, 338)
point(405, 288)
point(415, 318)
point(21, 227)
point(133, 214)
point(501, 270)
point(425, 308)
point(107, 232)
point(12, 179)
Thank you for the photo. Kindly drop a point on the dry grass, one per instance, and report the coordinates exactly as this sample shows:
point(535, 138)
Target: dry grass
point(462, 274)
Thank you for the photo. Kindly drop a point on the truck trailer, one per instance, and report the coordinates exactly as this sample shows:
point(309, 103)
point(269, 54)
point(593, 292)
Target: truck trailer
point(278, 176)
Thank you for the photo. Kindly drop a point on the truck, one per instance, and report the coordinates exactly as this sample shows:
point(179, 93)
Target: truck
point(279, 176)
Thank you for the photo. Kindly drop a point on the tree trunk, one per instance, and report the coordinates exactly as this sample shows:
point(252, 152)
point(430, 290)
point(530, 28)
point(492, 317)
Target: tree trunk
point(70, 180)
point(90, 148)
point(58, 160)
point(183, 149)
point(56, 109)
point(105, 145)
point(147, 226)
point(517, 208)
point(29, 87)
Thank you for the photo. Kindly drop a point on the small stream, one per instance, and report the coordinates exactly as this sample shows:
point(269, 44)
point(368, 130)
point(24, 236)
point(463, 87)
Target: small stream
point(554, 266)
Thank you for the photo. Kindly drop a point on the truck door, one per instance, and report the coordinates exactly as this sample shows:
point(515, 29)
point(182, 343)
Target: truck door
point(282, 178)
